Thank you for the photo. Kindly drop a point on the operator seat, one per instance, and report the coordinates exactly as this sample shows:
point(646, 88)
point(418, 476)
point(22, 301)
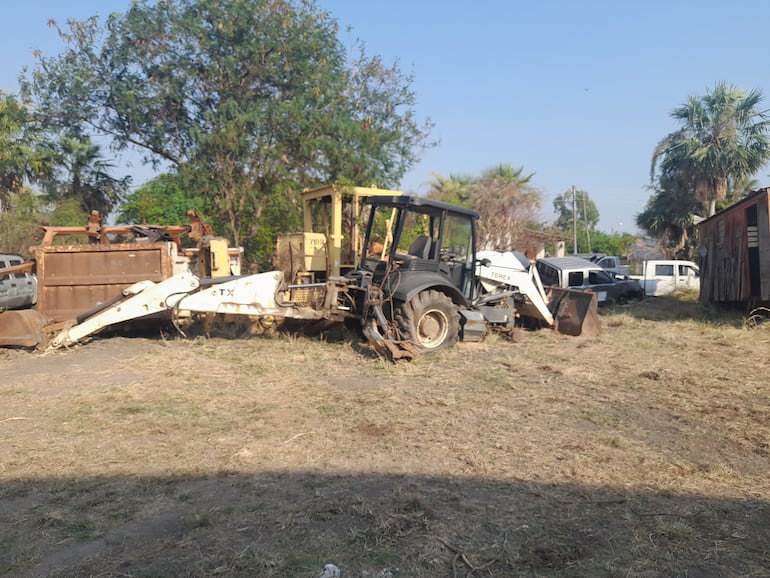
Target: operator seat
point(420, 247)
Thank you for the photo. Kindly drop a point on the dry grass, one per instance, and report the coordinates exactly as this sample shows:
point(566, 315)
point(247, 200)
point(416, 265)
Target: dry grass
point(643, 452)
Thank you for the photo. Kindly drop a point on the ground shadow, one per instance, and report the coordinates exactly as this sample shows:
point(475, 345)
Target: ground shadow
point(291, 524)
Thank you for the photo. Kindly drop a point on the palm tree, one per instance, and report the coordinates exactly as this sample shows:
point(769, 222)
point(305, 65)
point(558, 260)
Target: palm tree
point(507, 203)
point(740, 188)
point(668, 217)
point(455, 189)
point(503, 196)
point(84, 175)
point(723, 138)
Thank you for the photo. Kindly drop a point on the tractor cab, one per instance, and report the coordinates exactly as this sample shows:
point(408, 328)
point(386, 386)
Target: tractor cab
point(418, 243)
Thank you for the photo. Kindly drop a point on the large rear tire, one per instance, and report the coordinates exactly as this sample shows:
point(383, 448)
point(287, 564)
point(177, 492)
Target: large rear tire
point(430, 320)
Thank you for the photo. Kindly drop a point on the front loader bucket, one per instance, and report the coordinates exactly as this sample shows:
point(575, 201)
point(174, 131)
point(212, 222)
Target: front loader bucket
point(22, 328)
point(574, 312)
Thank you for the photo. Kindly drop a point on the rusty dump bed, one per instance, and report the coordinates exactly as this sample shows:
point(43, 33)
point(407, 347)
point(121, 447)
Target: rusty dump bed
point(73, 279)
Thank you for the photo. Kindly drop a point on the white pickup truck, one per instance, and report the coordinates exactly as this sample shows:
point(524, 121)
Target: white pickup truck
point(578, 273)
point(663, 277)
point(611, 263)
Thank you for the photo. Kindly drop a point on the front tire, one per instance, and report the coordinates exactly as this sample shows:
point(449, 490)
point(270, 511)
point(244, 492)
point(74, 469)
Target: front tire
point(430, 320)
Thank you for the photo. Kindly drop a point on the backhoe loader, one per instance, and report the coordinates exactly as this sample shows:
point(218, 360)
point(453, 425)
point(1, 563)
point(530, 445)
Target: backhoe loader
point(419, 286)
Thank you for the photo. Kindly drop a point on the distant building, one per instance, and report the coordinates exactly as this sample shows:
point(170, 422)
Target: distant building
point(734, 252)
point(532, 244)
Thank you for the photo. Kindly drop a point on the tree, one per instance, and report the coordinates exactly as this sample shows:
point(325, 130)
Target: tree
point(584, 213)
point(19, 225)
point(578, 215)
point(738, 189)
point(82, 174)
point(723, 138)
point(163, 200)
point(69, 213)
point(454, 189)
point(668, 216)
point(246, 99)
point(506, 201)
point(612, 243)
point(24, 154)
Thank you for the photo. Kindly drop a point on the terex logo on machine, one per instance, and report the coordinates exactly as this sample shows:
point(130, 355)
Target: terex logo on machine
point(499, 276)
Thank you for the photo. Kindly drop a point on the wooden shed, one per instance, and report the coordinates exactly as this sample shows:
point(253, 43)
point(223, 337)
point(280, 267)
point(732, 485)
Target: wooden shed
point(734, 253)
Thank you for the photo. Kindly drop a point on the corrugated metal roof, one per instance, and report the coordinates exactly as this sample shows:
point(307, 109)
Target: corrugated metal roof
point(745, 200)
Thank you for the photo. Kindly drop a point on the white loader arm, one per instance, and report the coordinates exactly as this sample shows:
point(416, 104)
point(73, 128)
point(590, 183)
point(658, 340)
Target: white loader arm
point(505, 270)
point(250, 295)
point(259, 294)
point(536, 297)
point(141, 299)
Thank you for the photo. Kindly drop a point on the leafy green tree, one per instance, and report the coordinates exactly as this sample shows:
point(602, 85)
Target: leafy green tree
point(584, 212)
point(612, 243)
point(163, 200)
point(81, 173)
point(246, 99)
point(24, 154)
point(20, 224)
point(282, 213)
point(576, 218)
point(723, 139)
point(69, 213)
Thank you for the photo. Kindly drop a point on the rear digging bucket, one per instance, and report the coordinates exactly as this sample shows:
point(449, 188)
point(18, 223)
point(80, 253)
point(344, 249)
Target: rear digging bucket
point(23, 328)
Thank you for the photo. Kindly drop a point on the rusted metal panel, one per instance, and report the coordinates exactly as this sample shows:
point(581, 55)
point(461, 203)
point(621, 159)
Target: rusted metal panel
point(734, 252)
point(74, 278)
point(763, 234)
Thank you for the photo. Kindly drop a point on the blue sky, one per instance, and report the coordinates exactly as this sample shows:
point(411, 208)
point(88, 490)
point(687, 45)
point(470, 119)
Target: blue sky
point(576, 92)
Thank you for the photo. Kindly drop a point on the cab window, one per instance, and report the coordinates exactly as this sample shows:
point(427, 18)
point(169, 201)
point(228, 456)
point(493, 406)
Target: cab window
point(575, 279)
point(548, 275)
point(599, 278)
point(456, 243)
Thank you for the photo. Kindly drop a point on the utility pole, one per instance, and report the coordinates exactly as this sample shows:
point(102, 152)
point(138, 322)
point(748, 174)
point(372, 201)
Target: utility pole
point(585, 222)
point(574, 223)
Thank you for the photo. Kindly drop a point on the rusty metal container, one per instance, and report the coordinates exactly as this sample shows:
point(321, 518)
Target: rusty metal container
point(73, 279)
